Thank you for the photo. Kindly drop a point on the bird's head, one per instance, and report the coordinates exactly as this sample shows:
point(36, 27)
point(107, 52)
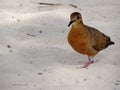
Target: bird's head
point(75, 17)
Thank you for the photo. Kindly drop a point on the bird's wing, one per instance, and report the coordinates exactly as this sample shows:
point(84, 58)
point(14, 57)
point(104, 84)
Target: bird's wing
point(99, 40)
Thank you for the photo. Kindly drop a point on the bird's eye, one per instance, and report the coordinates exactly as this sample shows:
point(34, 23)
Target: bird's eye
point(78, 17)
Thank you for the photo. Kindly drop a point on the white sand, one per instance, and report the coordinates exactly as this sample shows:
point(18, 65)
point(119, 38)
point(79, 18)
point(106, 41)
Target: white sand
point(34, 52)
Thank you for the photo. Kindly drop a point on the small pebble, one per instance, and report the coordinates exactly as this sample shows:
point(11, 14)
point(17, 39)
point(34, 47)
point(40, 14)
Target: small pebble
point(19, 74)
point(10, 51)
point(85, 79)
point(39, 73)
point(8, 46)
point(117, 84)
point(18, 20)
point(40, 31)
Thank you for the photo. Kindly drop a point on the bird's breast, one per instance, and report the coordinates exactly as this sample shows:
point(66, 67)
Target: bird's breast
point(78, 45)
point(80, 42)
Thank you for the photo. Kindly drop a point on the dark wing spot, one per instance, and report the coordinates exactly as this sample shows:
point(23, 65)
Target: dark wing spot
point(97, 49)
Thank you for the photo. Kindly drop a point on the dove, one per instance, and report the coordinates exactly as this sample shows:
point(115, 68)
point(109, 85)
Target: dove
point(86, 40)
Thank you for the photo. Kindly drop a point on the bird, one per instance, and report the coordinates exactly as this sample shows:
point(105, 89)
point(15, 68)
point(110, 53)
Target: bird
point(86, 40)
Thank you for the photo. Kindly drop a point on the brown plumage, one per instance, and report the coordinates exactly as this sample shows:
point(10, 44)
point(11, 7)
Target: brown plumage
point(86, 40)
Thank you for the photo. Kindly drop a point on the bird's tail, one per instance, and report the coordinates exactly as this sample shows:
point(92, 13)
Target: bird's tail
point(111, 43)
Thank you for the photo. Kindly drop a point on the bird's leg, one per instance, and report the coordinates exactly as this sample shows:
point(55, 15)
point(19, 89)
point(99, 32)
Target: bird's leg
point(89, 62)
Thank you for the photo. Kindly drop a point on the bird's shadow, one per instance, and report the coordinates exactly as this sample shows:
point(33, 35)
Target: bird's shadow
point(68, 57)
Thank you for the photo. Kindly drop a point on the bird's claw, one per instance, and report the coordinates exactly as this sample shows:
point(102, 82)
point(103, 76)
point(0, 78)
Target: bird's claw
point(87, 64)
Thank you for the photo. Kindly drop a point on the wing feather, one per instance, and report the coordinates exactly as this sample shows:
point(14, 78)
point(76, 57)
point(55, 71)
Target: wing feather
point(98, 40)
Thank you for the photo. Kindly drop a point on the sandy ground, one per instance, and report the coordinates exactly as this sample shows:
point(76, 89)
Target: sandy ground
point(35, 54)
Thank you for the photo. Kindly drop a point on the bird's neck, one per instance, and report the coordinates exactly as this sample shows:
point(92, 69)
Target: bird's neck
point(78, 30)
point(79, 26)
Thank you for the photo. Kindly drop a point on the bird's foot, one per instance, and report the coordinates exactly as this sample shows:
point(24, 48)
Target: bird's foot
point(87, 64)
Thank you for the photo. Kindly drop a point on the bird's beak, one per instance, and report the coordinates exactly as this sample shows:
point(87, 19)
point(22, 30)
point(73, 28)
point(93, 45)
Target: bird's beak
point(71, 22)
